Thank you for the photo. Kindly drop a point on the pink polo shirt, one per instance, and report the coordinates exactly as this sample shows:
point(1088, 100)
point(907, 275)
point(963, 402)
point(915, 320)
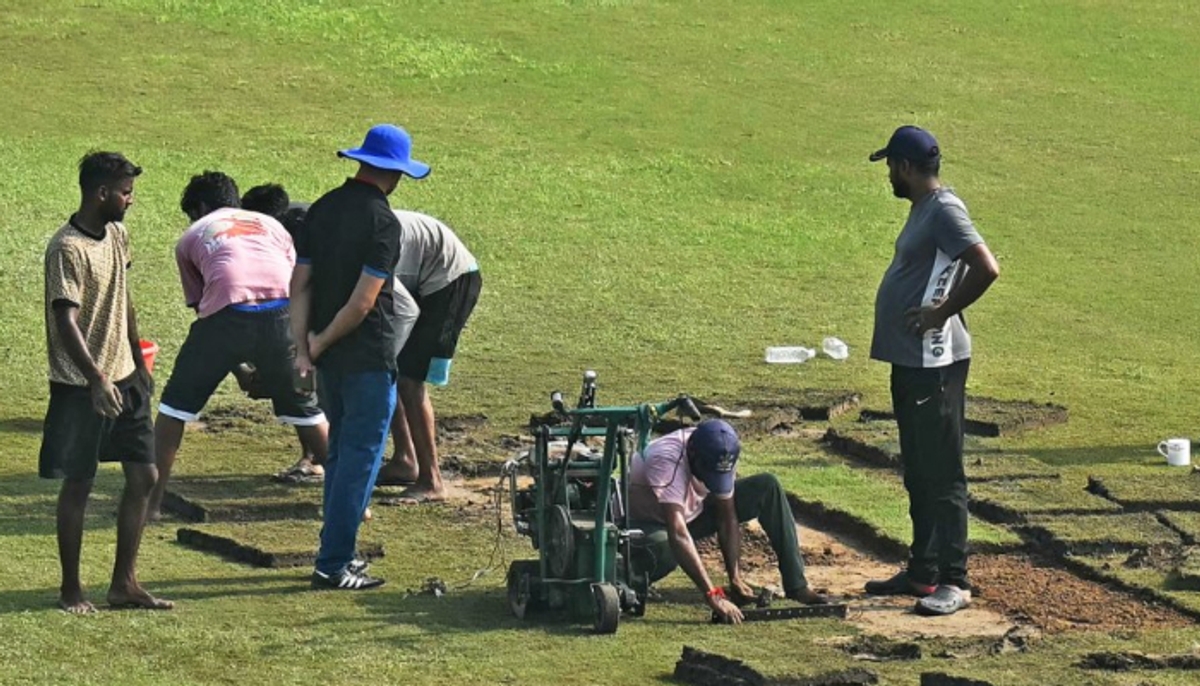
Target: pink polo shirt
point(662, 475)
point(234, 256)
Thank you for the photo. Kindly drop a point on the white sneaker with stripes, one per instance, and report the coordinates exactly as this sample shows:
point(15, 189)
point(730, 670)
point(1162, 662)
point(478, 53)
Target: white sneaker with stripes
point(349, 579)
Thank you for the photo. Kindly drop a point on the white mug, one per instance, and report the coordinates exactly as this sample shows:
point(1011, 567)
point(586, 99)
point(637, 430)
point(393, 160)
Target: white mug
point(1178, 451)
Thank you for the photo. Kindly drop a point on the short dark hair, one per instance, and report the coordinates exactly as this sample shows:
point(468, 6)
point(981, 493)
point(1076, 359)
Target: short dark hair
point(928, 167)
point(293, 219)
point(98, 168)
point(212, 189)
point(269, 199)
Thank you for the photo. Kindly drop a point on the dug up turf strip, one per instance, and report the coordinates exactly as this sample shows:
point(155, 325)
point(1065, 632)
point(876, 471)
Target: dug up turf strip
point(1014, 501)
point(699, 668)
point(773, 412)
point(240, 498)
point(877, 444)
point(1098, 534)
point(1147, 486)
point(265, 544)
point(991, 417)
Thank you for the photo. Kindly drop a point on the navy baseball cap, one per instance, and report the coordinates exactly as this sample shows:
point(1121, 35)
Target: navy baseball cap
point(713, 450)
point(388, 147)
point(909, 143)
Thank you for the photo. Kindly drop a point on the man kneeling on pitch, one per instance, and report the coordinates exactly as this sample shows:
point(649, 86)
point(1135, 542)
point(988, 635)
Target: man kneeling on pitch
point(685, 487)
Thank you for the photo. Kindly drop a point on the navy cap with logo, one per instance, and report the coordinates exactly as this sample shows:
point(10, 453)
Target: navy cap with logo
point(713, 450)
point(909, 143)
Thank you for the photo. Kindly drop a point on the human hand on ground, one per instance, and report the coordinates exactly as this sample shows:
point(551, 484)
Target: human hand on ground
point(727, 611)
point(106, 399)
point(741, 592)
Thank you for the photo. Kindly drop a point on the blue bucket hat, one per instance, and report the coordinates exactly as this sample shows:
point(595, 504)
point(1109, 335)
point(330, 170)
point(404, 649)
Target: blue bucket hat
point(388, 147)
point(713, 450)
point(909, 143)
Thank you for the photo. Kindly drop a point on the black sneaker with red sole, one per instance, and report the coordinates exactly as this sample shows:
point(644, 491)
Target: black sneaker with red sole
point(900, 584)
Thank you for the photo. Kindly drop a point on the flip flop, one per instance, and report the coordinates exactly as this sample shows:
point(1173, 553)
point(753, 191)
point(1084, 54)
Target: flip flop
point(410, 499)
point(300, 474)
point(381, 481)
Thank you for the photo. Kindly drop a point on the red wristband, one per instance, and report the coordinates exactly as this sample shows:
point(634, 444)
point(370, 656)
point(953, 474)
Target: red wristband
point(716, 592)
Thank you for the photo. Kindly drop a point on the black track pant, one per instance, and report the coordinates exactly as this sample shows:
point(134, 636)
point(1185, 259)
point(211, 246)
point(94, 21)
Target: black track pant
point(929, 406)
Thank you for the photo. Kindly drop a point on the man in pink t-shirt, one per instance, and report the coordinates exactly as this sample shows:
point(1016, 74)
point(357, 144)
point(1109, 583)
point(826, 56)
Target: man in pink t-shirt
point(685, 487)
point(235, 266)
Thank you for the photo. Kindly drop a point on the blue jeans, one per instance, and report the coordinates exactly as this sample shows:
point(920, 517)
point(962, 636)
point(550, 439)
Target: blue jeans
point(359, 407)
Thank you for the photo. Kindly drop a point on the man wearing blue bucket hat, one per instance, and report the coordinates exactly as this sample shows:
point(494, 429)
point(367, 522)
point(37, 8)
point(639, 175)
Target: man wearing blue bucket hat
point(345, 324)
point(685, 487)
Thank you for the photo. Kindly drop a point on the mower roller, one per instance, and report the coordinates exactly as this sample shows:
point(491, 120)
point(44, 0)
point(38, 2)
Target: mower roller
point(575, 512)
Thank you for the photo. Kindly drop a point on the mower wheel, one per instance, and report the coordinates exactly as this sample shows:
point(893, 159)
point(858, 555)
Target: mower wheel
point(608, 608)
point(559, 543)
point(639, 604)
point(522, 591)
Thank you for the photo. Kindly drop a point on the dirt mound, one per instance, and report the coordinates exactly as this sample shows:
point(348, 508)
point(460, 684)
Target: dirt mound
point(757, 555)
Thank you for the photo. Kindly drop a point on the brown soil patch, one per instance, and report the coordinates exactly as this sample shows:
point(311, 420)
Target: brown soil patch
point(1055, 600)
point(1011, 590)
point(241, 417)
point(458, 427)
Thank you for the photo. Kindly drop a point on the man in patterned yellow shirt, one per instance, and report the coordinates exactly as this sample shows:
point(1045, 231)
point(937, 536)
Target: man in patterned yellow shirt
point(99, 386)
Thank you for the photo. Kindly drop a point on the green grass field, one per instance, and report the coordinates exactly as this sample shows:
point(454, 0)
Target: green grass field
point(655, 190)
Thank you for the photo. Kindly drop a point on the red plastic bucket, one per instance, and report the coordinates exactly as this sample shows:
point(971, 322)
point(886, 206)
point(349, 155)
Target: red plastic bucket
point(149, 350)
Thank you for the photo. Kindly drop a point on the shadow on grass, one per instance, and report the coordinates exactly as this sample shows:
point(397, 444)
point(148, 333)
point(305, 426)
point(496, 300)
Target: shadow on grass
point(27, 507)
point(231, 587)
point(33, 599)
point(479, 610)
point(21, 425)
point(469, 610)
point(1100, 454)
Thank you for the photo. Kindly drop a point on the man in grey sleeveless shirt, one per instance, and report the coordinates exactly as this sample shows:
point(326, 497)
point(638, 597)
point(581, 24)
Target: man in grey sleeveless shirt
point(941, 266)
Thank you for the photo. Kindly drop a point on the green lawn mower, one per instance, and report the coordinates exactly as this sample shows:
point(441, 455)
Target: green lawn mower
point(575, 512)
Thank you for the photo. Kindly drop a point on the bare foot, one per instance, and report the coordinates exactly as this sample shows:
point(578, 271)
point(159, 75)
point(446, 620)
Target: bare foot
point(397, 473)
point(75, 604)
point(419, 496)
point(136, 599)
point(367, 516)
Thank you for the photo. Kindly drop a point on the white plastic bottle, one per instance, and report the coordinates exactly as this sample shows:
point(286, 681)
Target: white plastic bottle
point(790, 354)
point(835, 348)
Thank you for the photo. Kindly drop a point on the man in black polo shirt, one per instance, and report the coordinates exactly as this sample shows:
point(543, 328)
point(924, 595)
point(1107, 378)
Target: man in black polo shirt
point(344, 320)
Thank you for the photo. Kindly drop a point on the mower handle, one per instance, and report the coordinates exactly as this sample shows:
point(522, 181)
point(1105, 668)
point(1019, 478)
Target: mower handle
point(683, 404)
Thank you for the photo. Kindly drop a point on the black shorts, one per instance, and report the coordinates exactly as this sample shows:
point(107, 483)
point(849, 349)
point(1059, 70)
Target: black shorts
point(218, 343)
point(75, 438)
point(444, 314)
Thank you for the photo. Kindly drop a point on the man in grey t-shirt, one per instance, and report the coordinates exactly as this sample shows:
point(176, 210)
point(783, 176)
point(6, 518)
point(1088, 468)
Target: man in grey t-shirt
point(443, 278)
point(940, 267)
